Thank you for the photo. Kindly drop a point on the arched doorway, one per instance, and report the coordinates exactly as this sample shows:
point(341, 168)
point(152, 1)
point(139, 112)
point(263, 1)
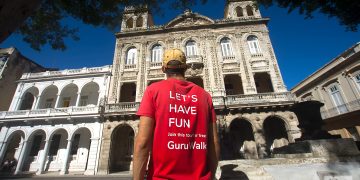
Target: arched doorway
point(36, 144)
point(122, 143)
point(274, 128)
point(57, 148)
point(240, 130)
point(79, 151)
point(13, 150)
point(196, 80)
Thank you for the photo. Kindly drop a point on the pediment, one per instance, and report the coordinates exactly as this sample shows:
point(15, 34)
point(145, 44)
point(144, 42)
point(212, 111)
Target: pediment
point(189, 18)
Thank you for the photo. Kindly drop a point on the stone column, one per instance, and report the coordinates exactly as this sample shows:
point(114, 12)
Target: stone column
point(21, 157)
point(260, 140)
point(78, 99)
point(92, 156)
point(44, 157)
point(36, 106)
point(57, 101)
point(3, 150)
point(64, 168)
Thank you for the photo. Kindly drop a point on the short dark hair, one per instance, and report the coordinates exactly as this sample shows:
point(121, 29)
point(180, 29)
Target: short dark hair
point(172, 71)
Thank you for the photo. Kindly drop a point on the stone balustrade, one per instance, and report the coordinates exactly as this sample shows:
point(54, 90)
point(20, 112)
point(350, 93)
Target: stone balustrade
point(246, 99)
point(130, 66)
point(49, 112)
point(124, 107)
point(257, 55)
point(228, 58)
point(195, 59)
point(67, 72)
point(155, 64)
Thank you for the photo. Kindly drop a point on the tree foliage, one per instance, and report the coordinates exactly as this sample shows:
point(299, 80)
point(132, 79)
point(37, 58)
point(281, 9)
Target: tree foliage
point(47, 24)
point(347, 11)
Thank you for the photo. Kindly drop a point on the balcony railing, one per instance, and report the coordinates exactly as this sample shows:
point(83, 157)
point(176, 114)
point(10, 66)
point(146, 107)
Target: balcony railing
point(49, 112)
point(155, 64)
point(229, 58)
point(257, 55)
point(246, 99)
point(342, 109)
point(128, 107)
point(129, 66)
point(67, 72)
point(195, 59)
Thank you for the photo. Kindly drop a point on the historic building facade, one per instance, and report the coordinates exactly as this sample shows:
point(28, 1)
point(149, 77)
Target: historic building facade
point(84, 119)
point(337, 85)
point(231, 58)
point(12, 65)
point(54, 121)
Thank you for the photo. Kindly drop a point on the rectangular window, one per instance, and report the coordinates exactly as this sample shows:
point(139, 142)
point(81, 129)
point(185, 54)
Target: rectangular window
point(54, 146)
point(83, 100)
point(36, 145)
point(75, 144)
point(66, 101)
point(337, 99)
point(49, 103)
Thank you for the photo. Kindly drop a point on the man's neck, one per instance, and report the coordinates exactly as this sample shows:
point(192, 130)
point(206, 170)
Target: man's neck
point(175, 76)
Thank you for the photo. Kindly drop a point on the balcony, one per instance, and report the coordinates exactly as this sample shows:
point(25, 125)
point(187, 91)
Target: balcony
point(256, 99)
point(342, 109)
point(195, 59)
point(155, 64)
point(51, 112)
point(124, 108)
point(67, 72)
point(229, 58)
point(130, 66)
point(257, 55)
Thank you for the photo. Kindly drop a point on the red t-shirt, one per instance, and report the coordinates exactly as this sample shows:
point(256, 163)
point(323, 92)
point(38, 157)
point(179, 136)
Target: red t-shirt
point(182, 113)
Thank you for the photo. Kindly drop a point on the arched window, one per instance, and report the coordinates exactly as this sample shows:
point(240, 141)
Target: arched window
point(156, 53)
point(130, 23)
point(249, 11)
point(131, 56)
point(253, 43)
point(337, 98)
point(191, 49)
point(139, 22)
point(357, 80)
point(239, 11)
point(226, 47)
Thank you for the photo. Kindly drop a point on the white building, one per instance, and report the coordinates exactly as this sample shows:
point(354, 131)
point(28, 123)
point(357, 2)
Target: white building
point(54, 121)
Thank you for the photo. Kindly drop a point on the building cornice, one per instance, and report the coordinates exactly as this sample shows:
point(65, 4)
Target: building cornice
point(349, 56)
point(218, 24)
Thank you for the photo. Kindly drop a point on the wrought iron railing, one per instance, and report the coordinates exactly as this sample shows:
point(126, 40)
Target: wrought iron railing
point(342, 109)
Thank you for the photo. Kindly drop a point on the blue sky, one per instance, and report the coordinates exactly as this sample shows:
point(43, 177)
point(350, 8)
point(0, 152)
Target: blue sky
point(301, 45)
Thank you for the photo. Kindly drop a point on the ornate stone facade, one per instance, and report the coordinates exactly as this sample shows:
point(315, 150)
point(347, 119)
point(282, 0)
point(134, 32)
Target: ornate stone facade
point(231, 58)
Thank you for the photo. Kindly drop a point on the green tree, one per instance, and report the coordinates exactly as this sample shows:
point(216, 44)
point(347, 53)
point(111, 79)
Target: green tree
point(41, 22)
point(346, 11)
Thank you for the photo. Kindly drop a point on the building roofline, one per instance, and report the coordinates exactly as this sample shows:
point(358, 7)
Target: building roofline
point(343, 56)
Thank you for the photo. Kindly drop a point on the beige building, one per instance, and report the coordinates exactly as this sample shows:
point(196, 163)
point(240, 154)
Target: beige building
point(231, 58)
point(12, 65)
point(337, 85)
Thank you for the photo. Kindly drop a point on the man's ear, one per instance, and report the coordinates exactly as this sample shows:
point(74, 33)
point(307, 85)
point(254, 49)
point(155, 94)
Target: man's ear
point(163, 69)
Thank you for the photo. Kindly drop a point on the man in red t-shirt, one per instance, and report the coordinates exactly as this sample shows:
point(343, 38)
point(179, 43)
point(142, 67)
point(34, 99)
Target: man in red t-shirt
point(178, 126)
